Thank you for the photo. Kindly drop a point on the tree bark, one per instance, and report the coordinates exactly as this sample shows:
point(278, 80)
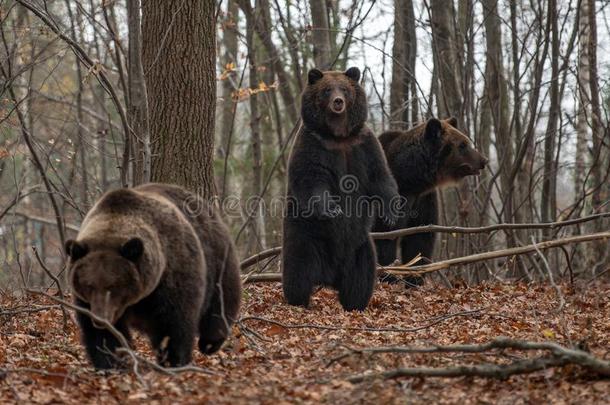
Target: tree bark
point(256, 220)
point(548, 197)
point(584, 97)
point(403, 94)
point(497, 91)
point(137, 110)
point(179, 56)
point(320, 34)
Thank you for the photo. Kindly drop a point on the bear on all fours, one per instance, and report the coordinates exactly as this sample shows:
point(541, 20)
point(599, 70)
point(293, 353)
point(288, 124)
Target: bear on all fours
point(159, 259)
point(422, 160)
point(337, 173)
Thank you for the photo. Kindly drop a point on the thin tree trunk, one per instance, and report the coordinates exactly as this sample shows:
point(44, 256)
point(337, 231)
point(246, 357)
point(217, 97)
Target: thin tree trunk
point(320, 34)
point(137, 111)
point(497, 91)
point(256, 221)
point(179, 57)
point(403, 94)
point(582, 126)
point(547, 198)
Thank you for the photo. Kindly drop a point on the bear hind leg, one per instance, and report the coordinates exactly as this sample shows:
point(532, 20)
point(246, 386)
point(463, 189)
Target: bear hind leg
point(301, 271)
point(358, 279)
point(215, 324)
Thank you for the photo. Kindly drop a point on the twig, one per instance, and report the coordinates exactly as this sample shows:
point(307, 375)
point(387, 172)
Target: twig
point(560, 356)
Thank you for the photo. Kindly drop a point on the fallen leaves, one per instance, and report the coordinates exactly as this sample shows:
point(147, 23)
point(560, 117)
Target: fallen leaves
point(267, 362)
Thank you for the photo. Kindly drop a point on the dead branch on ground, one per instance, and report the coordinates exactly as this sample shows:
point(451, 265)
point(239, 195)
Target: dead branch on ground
point(559, 356)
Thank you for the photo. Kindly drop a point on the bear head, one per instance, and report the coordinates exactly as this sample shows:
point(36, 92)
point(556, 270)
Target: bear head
point(457, 158)
point(334, 104)
point(106, 275)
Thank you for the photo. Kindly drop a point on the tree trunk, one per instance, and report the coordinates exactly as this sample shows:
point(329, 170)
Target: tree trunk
point(599, 153)
point(547, 198)
point(228, 60)
point(320, 34)
point(179, 55)
point(137, 111)
point(445, 49)
point(584, 97)
point(255, 218)
point(404, 110)
point(497, 91)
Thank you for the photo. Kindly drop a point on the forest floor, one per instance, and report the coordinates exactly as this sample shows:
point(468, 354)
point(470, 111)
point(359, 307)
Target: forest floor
point(268, 363)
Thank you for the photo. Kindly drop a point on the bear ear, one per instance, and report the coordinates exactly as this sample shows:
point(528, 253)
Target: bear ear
point(353, 73)
point(452, 121)
point(75, 249)
point(314, 76)
point(132, 249)
point(433, 129)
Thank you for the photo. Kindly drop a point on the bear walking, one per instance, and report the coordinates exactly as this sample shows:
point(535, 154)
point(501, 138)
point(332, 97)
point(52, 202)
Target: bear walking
point(338, 180)
point(159, 259)
point(423, 159)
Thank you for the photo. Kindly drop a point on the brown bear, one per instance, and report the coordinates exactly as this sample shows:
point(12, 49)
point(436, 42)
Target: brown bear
point(159, 259)
point(338, 180)
point(422, 159)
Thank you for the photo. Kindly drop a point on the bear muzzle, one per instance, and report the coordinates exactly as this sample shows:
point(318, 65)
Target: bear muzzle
point(337, 105)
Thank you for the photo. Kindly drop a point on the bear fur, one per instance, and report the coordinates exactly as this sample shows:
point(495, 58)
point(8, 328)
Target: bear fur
point(337, 172)
point(159, 259)
point(423, 159)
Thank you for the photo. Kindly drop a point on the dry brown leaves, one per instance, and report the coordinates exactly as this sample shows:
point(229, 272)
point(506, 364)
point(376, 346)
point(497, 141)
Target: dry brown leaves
point(265, 362)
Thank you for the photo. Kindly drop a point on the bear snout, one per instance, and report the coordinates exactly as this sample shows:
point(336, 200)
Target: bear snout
point(338, 105)
point(483, 162)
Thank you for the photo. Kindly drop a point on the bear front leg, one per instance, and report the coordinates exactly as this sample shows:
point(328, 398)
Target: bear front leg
point(358, 279)
point(100, 344)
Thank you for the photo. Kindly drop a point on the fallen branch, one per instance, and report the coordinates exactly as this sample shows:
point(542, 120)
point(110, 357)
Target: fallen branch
point(442, 229)
point(445, 264)
point(559, 356)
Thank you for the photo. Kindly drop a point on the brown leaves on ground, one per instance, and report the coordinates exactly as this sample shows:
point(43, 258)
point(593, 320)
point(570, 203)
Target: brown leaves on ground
point(282, 362)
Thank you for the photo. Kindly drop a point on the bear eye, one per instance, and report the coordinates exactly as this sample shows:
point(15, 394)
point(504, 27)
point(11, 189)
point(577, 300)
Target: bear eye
point(327, 92)
point(463, 146)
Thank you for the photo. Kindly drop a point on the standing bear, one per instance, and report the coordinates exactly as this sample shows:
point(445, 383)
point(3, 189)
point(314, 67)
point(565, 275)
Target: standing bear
point(338, 181)
point(423, 159)
point(156, 258)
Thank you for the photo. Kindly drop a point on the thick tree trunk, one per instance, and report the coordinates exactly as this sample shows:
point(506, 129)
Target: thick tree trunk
point(179, 57)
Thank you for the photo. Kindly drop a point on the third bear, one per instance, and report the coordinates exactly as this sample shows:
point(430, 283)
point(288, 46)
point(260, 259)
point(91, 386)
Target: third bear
point(423, 159)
